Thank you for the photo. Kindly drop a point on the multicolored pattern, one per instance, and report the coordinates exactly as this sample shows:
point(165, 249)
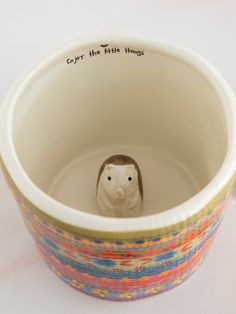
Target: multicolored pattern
point(119, 269)
point(122, 268)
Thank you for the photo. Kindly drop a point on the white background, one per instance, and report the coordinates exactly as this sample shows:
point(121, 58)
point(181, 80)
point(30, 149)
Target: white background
point(32, 30)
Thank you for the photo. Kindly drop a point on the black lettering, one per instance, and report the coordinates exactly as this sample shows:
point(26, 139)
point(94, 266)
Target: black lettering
point(69, 60)
point(93, 53)
point(137, 52)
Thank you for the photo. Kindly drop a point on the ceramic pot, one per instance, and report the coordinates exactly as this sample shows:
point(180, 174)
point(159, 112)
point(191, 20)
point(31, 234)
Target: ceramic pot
point(161, 104)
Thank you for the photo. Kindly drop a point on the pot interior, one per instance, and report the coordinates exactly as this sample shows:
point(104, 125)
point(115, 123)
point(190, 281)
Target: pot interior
point(94, 101)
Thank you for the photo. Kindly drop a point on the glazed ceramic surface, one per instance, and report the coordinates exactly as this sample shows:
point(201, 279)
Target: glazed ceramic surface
point(119, 187)
point(123, 267)
point(162, 105)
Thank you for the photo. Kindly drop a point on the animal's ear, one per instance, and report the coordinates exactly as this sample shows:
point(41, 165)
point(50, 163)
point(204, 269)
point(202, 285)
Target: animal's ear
point(108, 166)
point(131, 166)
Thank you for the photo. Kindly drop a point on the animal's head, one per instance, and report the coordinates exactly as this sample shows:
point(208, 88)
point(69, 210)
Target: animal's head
point(120, 177)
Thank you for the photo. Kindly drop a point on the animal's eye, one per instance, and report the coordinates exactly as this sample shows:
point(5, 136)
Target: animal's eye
point(109, 178)
point(129, 178)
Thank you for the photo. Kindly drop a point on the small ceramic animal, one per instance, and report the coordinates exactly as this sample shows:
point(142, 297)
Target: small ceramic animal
point(120, 187)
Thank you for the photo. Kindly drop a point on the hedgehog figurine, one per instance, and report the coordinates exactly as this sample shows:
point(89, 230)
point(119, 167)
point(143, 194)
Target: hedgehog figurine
point(119, 187)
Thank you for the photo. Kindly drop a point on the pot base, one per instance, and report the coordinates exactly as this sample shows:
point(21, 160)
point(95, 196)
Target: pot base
point(166, 181)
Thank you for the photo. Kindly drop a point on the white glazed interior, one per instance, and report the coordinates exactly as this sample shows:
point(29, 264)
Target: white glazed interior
point(168, 101)
point(82, 113)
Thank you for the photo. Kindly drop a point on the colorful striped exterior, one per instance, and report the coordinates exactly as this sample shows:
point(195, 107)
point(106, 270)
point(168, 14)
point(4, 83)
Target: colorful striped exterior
point(118, 268)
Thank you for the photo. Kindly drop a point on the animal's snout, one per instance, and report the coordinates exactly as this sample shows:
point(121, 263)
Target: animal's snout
point(120, 193)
